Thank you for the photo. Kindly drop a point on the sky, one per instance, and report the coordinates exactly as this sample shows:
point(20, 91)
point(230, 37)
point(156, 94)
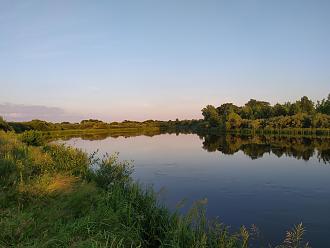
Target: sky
point(68, 60)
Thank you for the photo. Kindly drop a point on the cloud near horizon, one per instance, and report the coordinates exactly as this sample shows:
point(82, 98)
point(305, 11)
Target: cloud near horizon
point(21, 112)
point(24, 112)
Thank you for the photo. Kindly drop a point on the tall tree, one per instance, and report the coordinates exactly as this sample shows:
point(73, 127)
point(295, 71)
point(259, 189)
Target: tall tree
point(294, 108)
point(260, 109)
point(279, 110)
point(233, 121)
point(227, 108)
point(306, 105)
point(324, 106)
point(211, 115)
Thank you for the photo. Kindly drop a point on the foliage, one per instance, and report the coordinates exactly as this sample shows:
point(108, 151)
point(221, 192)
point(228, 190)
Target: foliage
point(4, 125)
point(227, 108)
point(280, 110)
point(254, 109)
point(254, 115)
point(44, 126)
point(306, 105)
point(324, 106)
point(46, 201)
point(109, 171)
point(33, 138)
point(68, 159)
point(233, 121)
point(211, 115)
point(259, 114)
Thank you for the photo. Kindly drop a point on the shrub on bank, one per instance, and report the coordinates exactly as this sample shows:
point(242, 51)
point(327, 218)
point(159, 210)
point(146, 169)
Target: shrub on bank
point(33, 138)
point(4, 125)
point(109, 171)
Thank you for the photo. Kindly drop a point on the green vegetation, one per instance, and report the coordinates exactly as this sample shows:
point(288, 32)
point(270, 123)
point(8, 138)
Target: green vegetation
point(324, 106)
point(299, 118)
point(83, 125)
point(4, 125)
point(58, 196)
point(33, 138)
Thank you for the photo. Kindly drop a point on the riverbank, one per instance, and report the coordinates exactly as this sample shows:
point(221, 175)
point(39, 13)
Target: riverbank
point(88, 128)
point(284, 132)
point(51, 197)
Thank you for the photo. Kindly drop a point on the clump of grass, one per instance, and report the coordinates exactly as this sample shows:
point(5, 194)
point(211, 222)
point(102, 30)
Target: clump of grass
point(294, 238)
point(57, 196)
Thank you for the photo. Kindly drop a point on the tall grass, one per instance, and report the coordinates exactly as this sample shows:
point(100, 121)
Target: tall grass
point(57, 196)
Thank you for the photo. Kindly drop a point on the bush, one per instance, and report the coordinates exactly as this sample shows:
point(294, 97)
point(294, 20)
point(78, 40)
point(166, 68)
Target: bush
point(109, 171)
point(68, 159)
point(33, 138)
point(4, 125)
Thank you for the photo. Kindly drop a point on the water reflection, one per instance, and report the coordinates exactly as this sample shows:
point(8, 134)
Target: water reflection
point(273, 182)
point(255, 147)
point(103, 134)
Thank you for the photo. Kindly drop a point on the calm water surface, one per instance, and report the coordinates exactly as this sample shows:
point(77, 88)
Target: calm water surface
point(271, 183)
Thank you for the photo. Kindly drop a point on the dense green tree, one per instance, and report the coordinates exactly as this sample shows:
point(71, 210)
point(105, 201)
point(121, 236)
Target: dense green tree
point(260, 114)
point(227, 108)
point(306, 105)
point(252, 124)
point(260, 109)
point(307, 121)
point(280, 110)
point(211, 115)
point(40, 125)
point(321, 121)
point(233, 121)
point(323, 106)
point(247, 113)
point(294, 109)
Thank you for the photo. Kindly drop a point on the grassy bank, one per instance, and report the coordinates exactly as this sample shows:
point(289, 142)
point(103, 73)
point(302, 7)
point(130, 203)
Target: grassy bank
point(295, 132)
point(293, 126)
point(57, 196)
point(283, 132)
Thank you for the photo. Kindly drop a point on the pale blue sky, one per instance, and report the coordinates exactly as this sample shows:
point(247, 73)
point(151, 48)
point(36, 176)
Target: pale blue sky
point(118, 60)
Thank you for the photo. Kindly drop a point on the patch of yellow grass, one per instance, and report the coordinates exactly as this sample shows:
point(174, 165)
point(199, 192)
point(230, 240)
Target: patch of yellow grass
point(62, 183)
point(48, 184)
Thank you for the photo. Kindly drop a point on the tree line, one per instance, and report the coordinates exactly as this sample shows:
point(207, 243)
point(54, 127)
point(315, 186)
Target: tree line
point(303, 113)
point(254, 115)
point(41, 125)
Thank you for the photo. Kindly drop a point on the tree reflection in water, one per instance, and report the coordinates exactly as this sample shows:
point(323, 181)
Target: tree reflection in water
point(256, 146)
point(253, 146)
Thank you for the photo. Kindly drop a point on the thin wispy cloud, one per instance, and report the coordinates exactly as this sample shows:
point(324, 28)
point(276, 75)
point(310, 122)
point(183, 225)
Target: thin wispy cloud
point(21, 112)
